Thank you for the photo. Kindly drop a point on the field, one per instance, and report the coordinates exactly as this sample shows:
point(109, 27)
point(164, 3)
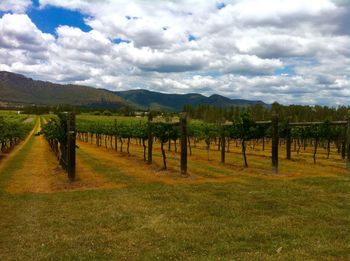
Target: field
point(120, 208)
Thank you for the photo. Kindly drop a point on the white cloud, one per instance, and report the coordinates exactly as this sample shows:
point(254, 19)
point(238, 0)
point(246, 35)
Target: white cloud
point(16, 6)
point(277, 11)
point(246, 64)
point(70, 38)
point(236, 50)
point(18, 32)
point(153, 60)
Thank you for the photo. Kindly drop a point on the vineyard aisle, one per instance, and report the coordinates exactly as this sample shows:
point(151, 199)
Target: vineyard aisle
point(130, 169)
point(38, 171)
point(8, 156)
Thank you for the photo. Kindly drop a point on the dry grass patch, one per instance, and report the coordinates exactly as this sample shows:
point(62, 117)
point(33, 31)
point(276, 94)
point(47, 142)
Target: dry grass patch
point(134, 166)
point(41, 173)
point(202, 170)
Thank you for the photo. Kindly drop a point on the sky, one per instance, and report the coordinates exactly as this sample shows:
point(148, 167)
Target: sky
point(289, 51)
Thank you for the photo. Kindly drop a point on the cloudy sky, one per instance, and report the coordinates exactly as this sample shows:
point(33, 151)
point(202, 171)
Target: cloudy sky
point(290, 51)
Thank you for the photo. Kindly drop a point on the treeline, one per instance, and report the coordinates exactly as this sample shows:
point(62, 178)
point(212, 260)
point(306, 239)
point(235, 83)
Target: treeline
point(40, 110)
point(260, 112)
point(213, 114)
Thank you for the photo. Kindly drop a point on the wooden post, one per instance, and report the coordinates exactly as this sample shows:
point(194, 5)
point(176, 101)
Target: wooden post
point(71, 146)
point(150, 138)
point(343, 149)
point(275, 143)
point(223, 145)
point(348, 144)
point(183, 127)
point(289, 142)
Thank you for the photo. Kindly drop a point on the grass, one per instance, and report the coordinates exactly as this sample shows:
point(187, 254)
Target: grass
point(252, 216)
point(180, 222)
point(16, 162)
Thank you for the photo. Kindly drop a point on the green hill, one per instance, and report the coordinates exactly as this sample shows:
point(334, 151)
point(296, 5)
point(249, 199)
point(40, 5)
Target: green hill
point(18, 89)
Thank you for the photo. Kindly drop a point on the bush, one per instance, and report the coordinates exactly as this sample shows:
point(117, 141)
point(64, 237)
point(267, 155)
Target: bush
point(107, 113)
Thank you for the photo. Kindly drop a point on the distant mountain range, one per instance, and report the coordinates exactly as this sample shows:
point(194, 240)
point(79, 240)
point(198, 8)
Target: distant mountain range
point(18, 89)
point(175, 102)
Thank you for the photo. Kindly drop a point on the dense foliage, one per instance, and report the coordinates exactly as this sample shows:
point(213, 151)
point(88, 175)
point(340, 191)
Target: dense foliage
point(241, 128)
point(13, 128)
point(55, 131)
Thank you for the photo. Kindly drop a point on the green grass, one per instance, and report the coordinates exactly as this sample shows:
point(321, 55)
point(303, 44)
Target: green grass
point(17, 161)
point(104, 168)
point(256, 219)
point(177, 222)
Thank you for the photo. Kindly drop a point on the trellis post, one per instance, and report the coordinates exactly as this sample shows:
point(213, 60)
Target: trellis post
point(183, 127)
point(275, 140)
point(223, 145)
point(150, 138)
point(348, 143)
point(289, 142)
point(71, 140)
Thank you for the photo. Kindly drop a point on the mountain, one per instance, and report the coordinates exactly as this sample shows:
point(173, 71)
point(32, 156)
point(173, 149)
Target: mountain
point(18, 89)
point(149, 99)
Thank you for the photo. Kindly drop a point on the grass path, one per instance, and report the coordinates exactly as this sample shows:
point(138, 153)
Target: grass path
point(8, 156)
point(132, 169)
point(32, 167)
point(38, 170)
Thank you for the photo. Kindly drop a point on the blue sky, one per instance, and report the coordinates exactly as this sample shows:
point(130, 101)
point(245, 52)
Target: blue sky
point(49, 18)
point(290, 51)
point(288, 69)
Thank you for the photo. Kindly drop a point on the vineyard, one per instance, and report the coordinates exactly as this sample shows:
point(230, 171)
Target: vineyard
point(156, 187)
point(14, 128)
point(119, 134)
